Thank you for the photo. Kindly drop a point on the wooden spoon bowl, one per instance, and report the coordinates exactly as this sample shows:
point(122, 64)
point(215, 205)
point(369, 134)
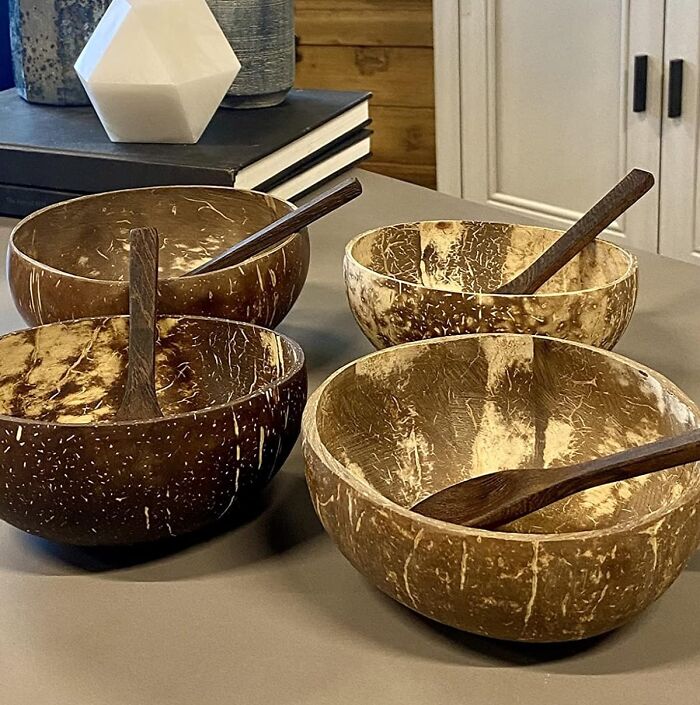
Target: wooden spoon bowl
point(231, 394)
point(414, 281)
point(71, 260)
point(399, 425)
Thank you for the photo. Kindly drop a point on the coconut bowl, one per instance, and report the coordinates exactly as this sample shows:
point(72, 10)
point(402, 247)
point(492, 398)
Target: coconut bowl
point(231, 394)
point(391, 428)
point(71, 260)
point(424, 280)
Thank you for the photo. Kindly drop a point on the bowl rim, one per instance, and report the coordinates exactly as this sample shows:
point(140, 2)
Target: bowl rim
point(299, 366)
point(311, 438)
point(13, 248)
point(632, 263)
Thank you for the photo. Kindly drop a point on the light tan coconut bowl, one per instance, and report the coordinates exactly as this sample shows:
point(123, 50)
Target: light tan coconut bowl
point(393, 427)
point(414, 281)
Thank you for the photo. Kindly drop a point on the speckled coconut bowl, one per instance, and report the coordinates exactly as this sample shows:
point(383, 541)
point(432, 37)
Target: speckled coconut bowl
point(71, 260)
point(232, 395)
point(393, 427)
point(423, 280)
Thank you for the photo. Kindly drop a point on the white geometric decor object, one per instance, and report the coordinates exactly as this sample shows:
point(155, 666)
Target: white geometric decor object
point(157, 70)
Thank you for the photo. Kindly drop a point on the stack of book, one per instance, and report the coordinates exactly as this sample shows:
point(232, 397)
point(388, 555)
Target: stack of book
point(50, 154)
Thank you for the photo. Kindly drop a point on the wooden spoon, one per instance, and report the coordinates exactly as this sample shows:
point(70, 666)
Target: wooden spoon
point(284, 227)
point(139, 400)
point(500, 497)
point(581, 233)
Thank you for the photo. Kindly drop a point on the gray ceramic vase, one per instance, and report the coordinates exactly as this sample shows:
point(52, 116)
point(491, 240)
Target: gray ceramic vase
point(47, 37)
point(261, 33)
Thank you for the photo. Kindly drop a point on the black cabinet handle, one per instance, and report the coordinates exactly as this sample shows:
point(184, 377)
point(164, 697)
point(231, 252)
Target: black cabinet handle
point(639, 99)
point(675, 88)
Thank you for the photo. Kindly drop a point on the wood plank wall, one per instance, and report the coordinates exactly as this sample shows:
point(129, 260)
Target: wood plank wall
point(385, 46)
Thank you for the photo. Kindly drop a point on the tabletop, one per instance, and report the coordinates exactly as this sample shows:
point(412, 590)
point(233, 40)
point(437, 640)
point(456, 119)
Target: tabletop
point(267, 610)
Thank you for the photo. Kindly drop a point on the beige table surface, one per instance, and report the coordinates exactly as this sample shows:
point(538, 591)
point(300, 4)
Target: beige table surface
point(269, 612)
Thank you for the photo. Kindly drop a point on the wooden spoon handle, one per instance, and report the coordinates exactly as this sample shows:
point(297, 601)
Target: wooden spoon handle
point(633, 462)
point(581, 233)
point(139, 401)
point(283, 228)
point(501, 497)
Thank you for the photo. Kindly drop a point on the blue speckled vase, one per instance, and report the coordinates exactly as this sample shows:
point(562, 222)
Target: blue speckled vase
point(6, 79)
point(47, 37)
point(261, 33)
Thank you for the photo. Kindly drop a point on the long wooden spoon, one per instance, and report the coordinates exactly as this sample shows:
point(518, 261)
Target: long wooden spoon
point(139, 400)
point(581, 233)
point(497, 498)
point(283, 227)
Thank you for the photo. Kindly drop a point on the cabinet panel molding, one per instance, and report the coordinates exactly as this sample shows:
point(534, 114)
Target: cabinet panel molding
point(679, 220)
point(545, 115)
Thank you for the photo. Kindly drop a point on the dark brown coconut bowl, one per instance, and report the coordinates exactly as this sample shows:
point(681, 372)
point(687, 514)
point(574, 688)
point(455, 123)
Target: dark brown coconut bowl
point(423, 280)
point(71, 260)
point(231, 394)
point(391, 428)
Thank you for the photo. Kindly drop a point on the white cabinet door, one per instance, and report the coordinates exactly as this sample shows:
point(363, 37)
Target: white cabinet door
point(546, 119)
point(679, 220)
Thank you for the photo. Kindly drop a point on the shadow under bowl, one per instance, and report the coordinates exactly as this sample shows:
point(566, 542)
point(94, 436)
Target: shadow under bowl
point(232, 396)
point(71, 260)
point(392, 428)
point(414, 281)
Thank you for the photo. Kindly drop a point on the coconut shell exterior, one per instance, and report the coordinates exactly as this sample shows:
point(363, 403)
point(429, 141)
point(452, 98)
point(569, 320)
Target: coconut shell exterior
point(424, 280)
point(392, 428)
point(232, 395)
point(70, 260)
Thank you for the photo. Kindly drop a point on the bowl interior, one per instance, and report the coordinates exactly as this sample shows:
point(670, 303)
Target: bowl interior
point(471, 256)
point(411, 420)
point(75, 372)
point(89, 236)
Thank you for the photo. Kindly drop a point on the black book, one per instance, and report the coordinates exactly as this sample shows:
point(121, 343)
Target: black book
point(321, 167)
point(290, 184)
point(66, 151)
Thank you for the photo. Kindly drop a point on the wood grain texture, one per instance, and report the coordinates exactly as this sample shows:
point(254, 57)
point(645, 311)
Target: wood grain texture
point(396, 75)
point(385, 47)
point(365, 6)
point(284, 227)
point(365, 22)
point(396, 426)
point(403, 135)
point(498, 498)
point(139, 401)
point(627, 192)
